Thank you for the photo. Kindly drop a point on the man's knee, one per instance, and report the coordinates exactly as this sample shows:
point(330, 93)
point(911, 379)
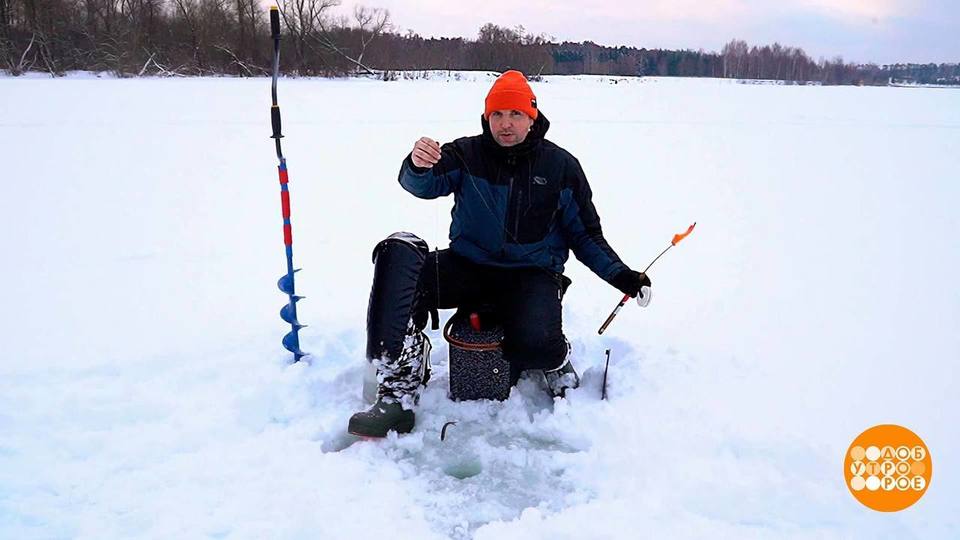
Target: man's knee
point(398, 261)
point(535, 347)
point(401, 251)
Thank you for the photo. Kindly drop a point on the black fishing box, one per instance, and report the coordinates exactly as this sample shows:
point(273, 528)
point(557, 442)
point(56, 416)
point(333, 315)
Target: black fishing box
point(477, 367)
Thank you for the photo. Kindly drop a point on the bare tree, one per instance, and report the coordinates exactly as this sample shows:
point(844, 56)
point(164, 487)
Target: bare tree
point(304, 20)
point(189, 9)
point(735, 57)
point(371, 23)
point(4, 19)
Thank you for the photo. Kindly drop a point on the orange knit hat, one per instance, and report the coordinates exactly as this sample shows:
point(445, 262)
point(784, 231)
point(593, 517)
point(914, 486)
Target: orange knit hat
point(511, 91)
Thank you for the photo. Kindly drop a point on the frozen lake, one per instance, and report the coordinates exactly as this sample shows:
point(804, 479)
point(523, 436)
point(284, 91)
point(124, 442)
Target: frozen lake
point(144, 392)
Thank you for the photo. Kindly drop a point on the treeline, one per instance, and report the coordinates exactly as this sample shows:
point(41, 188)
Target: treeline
point(204, 37)
point(924, 73)
point(779, 63)
point(182, 37)
point(776, 62)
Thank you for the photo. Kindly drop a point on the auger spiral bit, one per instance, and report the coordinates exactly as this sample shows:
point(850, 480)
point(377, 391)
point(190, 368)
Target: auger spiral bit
point(288, 312)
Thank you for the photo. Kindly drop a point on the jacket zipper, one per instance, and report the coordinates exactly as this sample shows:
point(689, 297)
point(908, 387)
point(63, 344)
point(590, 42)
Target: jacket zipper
point(511, 162)
point(516, 222)
point(506, 214)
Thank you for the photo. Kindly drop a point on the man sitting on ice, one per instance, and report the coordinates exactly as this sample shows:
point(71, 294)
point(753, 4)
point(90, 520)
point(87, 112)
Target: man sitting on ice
point(521, 203)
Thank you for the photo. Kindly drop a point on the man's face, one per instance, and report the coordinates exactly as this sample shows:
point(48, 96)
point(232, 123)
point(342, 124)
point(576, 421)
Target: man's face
point(509, 127)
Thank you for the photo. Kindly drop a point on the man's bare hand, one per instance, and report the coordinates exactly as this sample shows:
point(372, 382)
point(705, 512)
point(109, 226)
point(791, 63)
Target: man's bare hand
point(426, 153)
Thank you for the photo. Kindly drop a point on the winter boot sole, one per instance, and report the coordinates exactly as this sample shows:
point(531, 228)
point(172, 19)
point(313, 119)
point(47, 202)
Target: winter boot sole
point(362, 425)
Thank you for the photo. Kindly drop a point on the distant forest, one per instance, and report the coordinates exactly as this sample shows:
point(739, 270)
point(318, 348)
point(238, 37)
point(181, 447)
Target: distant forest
point(215, 37)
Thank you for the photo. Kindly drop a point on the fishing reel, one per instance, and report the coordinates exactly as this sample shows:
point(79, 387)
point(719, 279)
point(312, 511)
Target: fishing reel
point(643, 299)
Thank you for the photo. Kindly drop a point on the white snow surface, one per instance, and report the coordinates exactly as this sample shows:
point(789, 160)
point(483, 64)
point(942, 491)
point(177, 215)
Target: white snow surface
point(144, 392)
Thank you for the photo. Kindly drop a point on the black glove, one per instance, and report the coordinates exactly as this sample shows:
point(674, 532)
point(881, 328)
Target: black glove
point(629, 282)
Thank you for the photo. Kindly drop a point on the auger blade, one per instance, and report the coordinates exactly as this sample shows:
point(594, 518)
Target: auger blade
point(291, 342)
point(285, 283)
point(288, 312)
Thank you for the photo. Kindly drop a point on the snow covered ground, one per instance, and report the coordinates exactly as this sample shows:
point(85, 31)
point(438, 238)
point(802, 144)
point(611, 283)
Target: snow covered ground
point(144, 392)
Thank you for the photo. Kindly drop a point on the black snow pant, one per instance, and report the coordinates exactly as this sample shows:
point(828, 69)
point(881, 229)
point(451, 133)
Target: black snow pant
point(526, 301)
point(411, 282)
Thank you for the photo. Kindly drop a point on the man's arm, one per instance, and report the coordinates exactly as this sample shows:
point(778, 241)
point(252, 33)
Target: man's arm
point(439, 177)
point(581, 227)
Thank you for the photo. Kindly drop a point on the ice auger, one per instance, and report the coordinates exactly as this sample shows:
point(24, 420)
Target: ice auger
point(288, 312)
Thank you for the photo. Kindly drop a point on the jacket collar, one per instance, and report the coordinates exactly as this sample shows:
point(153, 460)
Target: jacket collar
point(537, 132)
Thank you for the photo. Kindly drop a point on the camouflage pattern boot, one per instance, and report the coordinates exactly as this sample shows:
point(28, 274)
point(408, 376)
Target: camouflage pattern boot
point(399, 385)
point(562, 378)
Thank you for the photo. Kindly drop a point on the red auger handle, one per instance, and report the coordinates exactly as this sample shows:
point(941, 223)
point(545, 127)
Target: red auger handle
point(613, 313)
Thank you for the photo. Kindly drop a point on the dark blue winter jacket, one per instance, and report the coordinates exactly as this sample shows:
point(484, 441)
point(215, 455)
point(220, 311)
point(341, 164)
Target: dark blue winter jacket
point(519, 206)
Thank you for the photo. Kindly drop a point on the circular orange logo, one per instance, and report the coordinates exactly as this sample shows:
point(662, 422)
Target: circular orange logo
point(888, 468)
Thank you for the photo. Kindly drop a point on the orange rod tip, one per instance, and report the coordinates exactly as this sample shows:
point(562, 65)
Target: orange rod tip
point(678, 237)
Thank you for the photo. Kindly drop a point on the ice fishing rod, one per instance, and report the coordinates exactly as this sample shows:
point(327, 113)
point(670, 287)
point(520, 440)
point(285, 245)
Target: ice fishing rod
point(644, 297)
point(288, 312)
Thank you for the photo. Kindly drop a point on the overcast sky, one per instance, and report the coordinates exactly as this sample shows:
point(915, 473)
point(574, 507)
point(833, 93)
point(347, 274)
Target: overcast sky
point(881, 31)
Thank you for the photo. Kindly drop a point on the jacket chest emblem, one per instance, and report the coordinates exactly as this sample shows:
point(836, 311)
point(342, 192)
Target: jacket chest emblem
point(539, 181)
